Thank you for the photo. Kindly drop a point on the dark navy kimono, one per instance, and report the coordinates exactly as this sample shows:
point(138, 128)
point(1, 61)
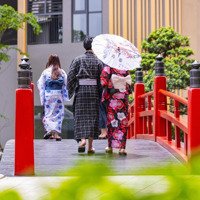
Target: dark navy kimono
point(87, 97)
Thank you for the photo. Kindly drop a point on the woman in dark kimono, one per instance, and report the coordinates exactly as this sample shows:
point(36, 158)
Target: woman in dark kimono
point(117, 87)
point(84, 82)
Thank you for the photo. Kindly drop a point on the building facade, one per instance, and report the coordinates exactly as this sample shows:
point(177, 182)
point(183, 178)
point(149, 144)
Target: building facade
point(136, 19)
point(65, 23)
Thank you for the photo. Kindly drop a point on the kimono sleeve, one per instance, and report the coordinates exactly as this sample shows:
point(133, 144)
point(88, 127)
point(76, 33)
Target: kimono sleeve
point(64, 88)
point(71, 77)
point(130, 87)
point(105, 79)
point(105, 76)
point(41, 87)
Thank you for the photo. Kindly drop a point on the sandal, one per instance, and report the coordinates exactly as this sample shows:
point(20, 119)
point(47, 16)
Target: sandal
point(109, 150)
point(122, 152)
point(81, 148)
point(47, 135)
point(91, 151)
point(56, 136)
point(52, 137)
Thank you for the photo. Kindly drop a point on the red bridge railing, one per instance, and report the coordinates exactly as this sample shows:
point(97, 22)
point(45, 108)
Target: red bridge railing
point(150, 119)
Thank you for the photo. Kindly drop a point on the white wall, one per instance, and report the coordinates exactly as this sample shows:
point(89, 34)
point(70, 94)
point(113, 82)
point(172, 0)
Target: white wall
point(8, 85)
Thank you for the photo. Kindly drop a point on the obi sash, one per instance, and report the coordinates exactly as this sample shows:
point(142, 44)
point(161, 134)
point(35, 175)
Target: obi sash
point(51, 84)
point(119, 82)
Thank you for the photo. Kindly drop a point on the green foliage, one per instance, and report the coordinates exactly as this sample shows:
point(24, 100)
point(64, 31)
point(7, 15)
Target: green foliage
point(78, 35)
point(11, 19)
point(3, 53)
point(10, 195)
point(175, 50)
point(88, 181)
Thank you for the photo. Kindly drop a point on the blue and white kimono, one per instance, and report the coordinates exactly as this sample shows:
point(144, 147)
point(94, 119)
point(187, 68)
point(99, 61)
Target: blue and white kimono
point(53, 93)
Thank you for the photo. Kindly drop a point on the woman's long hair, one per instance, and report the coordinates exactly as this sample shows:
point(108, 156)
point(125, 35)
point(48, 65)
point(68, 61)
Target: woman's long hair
point(54, 61)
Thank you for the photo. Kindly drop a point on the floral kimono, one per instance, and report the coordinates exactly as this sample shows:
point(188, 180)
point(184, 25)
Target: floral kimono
point(116, 101)
point(53, 93)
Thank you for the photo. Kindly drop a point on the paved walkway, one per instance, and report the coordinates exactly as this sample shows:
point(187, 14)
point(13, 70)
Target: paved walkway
point(36, 188)
point(53, 157)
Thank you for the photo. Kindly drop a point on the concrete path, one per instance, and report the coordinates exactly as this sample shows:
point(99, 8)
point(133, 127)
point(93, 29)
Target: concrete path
point(52, 157)
point(36, 188)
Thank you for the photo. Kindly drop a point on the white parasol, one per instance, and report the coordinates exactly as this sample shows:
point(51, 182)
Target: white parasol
point(116, 51)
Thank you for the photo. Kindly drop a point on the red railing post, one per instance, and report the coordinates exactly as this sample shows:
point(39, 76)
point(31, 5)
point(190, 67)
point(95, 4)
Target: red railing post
point(129, 127)
point(138, 103)
point(130, 117)
point(177, 129)
point(160, 102)
point(194, 111)
point(150, 117)
point(24, 123)
point(32, 86)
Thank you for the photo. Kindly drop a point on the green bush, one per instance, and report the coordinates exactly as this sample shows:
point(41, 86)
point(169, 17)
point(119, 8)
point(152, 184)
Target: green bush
point(176, 52)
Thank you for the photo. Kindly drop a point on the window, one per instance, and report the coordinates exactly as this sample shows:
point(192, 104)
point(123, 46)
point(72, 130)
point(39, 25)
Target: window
point(49, 15)
point(87, 19)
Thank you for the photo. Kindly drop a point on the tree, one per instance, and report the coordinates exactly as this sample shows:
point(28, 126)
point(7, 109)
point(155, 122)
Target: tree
point(176, 52)
point(11, 19)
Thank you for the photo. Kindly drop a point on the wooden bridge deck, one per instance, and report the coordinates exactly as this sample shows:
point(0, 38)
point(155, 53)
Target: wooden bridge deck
point(52, 157)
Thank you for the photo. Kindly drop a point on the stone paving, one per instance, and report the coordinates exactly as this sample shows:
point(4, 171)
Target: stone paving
point(36, 188)
point(52, 157)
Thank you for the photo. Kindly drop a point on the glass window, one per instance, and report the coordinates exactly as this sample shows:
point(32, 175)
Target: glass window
point(79, 5)
point(49, 16)
point(87, 19)
point(79, 30)
point(95, 5)
point(9, 37)
point(95, 27)
point(12, 3)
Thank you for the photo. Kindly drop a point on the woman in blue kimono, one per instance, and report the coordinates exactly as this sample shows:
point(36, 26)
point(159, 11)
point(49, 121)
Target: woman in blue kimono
point(53, 92)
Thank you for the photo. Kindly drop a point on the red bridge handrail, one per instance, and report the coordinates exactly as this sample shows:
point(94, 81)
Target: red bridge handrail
point(147, 94)
point(180, 122)
point(151, 117)
point(142, 122)
point(174, 96)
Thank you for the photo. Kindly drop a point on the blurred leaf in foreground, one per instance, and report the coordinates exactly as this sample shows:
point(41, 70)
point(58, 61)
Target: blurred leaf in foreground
point(9, 195)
